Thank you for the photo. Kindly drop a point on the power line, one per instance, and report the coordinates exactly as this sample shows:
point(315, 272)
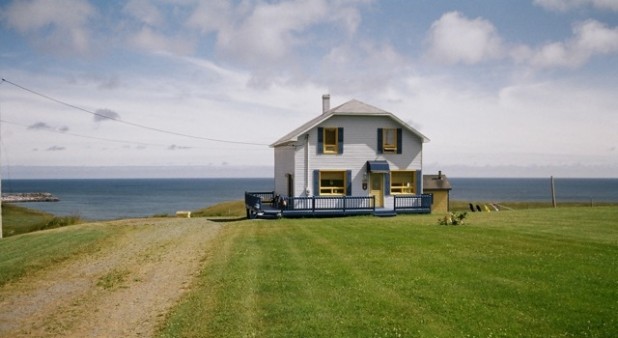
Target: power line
point(87, 136)
point(127, 122)
point(104, 138)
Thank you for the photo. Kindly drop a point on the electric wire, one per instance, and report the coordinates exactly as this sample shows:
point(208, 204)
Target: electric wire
point(87, 136)
point(107, 139)
point(133, 124)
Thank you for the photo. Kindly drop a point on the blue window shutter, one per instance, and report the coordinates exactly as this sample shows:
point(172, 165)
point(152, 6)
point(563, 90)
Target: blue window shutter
point(348, 180)
point(320, 140)
point(399, 140)
point(380, 144)
point(419, 180)
point(387, 184)
point(340, 140)
point(316, 183)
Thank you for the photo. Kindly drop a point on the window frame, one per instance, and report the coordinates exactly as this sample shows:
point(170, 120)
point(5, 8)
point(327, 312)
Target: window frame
point(333, 190)
point(388, 147)
point(399, 186)
point(330, 148)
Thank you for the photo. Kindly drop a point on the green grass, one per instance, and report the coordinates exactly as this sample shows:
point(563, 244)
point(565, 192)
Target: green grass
point(23, 254)
point(224, 209)
point(531, 272)
point(114, 279)
point(464, 205)
point(18, 220)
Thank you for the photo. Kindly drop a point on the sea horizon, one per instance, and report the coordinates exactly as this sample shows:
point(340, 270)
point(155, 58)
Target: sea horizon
point(115, 198)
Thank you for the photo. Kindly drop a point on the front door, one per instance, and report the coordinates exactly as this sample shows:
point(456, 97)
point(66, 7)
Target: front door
point(377, 189)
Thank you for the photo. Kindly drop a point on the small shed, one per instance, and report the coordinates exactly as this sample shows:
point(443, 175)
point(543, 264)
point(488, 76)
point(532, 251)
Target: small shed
point(439, 187)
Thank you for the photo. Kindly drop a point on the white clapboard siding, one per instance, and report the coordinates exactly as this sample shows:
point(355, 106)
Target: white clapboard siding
point(360, 145)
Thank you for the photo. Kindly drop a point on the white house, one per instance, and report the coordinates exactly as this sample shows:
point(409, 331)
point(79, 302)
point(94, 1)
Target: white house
point(354, 149)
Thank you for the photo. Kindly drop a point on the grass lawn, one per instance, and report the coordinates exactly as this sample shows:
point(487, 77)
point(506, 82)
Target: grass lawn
point(18, 220)
point(23, 254)
point(536, 272)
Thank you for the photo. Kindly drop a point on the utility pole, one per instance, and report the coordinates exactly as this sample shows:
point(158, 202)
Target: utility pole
point(553, 192)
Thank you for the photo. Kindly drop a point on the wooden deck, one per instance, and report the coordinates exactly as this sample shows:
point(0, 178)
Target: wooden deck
point(268, 205)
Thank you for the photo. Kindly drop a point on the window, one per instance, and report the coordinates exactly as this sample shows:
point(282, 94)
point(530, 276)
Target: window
point(330, 141)
point(389, 140)
point(332, 183)
point(403, 182)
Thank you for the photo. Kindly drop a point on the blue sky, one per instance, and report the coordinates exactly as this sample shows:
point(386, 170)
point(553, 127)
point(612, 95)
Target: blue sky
point(502, 88)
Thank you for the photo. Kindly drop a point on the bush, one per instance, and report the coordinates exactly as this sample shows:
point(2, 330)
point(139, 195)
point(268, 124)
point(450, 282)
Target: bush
point(58, 222)
point(453, 218)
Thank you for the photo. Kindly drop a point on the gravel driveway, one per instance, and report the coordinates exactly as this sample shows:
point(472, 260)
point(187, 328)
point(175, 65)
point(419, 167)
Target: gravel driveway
point(123, 290)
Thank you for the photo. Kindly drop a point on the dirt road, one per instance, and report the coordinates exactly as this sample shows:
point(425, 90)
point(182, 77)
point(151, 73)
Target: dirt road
point(123, 290)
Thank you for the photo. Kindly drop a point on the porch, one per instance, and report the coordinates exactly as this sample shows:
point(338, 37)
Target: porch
point(269, 205)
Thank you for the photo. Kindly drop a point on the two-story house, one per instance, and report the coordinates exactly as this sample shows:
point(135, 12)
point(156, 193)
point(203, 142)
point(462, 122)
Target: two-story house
point(354, 149)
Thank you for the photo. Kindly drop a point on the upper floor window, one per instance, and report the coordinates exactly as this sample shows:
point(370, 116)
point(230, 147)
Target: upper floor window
point(330, 140)
point(390, 140)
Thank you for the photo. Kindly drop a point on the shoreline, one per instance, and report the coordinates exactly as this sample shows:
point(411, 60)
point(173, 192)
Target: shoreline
point(29, 197)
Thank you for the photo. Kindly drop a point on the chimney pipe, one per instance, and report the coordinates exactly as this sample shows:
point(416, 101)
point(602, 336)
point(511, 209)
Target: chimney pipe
point(439, 174)
point(325, 103)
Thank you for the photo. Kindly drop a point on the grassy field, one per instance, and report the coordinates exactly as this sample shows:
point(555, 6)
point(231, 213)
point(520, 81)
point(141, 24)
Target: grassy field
point(20, 255)
point(18, 220)
point(531, 272)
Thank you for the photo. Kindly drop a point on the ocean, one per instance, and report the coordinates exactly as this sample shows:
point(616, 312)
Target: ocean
point(106, 199)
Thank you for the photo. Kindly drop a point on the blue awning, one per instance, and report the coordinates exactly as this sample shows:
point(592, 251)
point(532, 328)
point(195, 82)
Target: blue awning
point(378, 167)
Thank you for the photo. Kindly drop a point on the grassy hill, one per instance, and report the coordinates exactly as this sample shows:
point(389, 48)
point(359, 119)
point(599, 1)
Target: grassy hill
point(20, 220)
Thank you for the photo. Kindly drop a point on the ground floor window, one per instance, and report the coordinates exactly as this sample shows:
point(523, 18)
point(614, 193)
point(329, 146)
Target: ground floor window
point(332, 183)
point(403, 182)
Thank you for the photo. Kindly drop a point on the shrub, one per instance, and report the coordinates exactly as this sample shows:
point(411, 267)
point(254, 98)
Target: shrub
point(58, 222)
point(453, 218)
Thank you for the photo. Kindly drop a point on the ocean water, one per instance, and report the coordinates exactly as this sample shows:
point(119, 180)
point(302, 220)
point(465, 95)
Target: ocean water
point(105, 199)
point(534, 189)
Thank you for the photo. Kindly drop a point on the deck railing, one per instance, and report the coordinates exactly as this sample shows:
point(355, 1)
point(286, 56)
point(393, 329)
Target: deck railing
point(343, 203)
point(263, 203)
point(413, 203)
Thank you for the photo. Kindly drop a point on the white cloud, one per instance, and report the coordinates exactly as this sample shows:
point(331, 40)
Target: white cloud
point(147, 28)
point(60, 26)
point(456, 39)
point(381, 64)
point(565, 5)
point(266, 33)
point(148, 38)
point(590, 38)
point(145, 11)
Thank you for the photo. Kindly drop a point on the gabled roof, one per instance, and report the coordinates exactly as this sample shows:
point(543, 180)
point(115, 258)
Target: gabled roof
point(350, 108)
point(436, 182)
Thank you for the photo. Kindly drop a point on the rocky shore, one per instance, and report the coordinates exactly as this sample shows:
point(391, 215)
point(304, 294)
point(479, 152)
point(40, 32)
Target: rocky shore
point(29, 197)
